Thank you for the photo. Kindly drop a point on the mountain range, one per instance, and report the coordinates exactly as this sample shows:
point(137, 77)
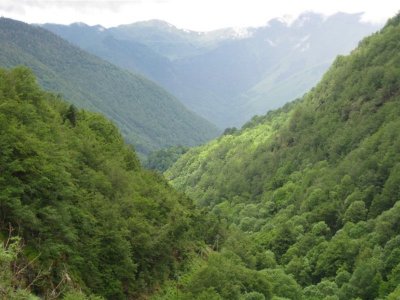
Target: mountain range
point(149, 117)
point(300, 203)
point(227, 76)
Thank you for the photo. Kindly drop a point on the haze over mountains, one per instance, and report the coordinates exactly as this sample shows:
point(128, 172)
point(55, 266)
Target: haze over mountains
point(228, 75)
point(148, 116)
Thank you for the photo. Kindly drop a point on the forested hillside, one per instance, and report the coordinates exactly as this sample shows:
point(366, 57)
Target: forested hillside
point(78, 214)
point(301, 203)
point(148, 116)
point(309, 194)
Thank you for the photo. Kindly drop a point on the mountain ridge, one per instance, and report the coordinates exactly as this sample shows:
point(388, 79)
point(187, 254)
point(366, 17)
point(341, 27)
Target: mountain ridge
point(149, 117)
point(225, 78)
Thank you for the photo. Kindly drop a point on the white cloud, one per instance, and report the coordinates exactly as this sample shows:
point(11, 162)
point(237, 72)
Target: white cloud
point(191, 14)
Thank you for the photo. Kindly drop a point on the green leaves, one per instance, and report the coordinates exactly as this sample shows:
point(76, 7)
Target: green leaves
point(78, 197)
point(316, 182)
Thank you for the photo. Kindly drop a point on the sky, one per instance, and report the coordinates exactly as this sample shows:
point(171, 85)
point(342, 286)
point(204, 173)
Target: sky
point(199, 15)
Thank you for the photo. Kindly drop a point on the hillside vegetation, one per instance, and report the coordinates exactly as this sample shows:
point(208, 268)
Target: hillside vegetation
point(309, 194)
point(77, 211)
point(148, 116)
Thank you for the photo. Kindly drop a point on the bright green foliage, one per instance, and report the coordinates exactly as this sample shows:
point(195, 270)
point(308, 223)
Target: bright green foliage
point(148, 116)
point(76, 195)
point(221, 276)
point(316, 182)
point(77, 295)
point(11, 272)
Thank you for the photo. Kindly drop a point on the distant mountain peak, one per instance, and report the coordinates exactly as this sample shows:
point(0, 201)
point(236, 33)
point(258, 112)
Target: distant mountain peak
point(287, 19)
point(308, 17)
point(232, 33)
point(99, 28)
point(153, 23)
point(84, 25)
point(79, 24)
point(241, 32)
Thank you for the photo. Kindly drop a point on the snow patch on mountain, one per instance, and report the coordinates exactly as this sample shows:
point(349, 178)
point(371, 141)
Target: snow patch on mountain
point(303, 44)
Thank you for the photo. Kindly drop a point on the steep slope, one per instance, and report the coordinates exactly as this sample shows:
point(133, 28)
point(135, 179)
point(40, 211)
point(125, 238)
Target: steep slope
point(126, 53)
point(147, 115)
point(77, 211)
point(227, 76)
point(315, 185)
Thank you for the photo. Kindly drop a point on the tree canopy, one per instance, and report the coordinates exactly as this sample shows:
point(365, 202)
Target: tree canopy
point(314, 186)
point(86, 214)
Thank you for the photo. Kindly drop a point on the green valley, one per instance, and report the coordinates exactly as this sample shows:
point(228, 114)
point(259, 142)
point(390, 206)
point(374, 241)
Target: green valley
point(301, 203)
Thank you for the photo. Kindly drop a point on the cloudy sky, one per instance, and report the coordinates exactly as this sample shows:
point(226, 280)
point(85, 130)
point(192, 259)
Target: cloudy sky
point(199, 15)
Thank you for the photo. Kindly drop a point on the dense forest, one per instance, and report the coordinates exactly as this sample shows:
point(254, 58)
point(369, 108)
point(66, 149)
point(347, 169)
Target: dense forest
point(149, 117)
point(308, 194)
point(163, 159)
point(78, 214)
